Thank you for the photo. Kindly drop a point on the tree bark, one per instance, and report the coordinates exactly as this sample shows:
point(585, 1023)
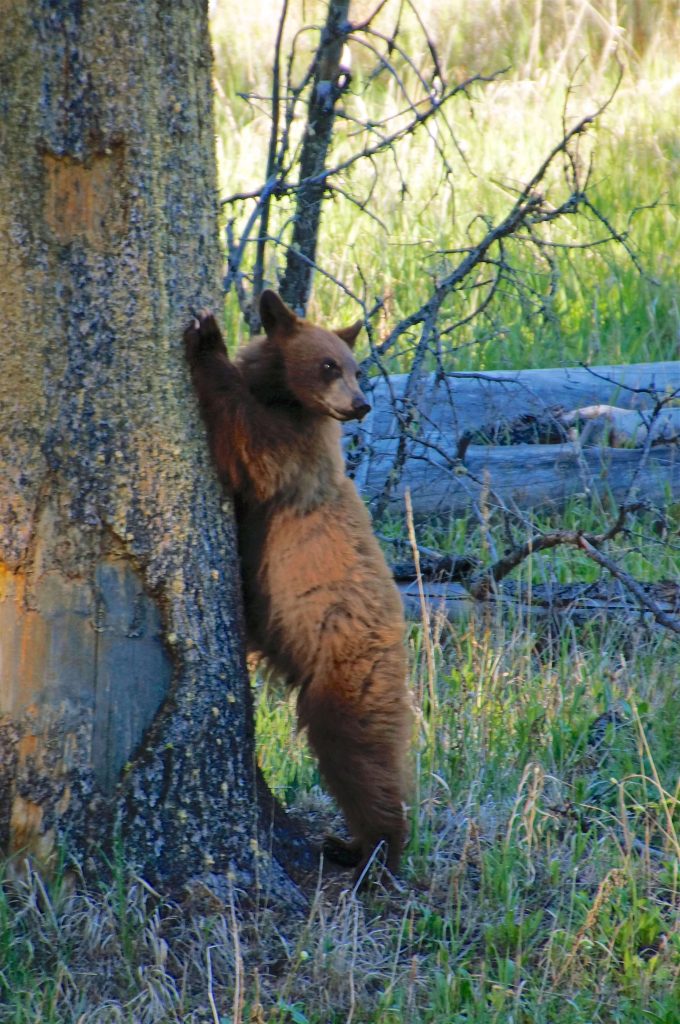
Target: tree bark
point(123, 691)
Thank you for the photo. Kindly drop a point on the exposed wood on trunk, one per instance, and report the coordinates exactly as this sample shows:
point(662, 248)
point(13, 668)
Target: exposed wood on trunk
point(529, 476)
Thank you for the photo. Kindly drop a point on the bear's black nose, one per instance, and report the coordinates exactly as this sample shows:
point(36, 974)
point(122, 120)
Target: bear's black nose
point(360, 407)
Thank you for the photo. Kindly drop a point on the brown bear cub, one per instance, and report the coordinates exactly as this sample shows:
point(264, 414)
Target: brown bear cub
point(321, 605)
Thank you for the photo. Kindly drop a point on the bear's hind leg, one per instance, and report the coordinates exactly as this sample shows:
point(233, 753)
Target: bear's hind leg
point(362, 754)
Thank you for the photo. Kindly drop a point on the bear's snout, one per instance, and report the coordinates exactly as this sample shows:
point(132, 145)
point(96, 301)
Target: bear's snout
point(360, 407)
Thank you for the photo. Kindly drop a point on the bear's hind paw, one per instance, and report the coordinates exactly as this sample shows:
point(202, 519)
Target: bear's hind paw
point(346, 852)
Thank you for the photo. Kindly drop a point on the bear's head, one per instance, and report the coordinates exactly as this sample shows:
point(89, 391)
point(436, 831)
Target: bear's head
point(318, 366)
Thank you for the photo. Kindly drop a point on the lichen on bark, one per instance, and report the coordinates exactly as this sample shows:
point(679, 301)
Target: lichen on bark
point(109, 511)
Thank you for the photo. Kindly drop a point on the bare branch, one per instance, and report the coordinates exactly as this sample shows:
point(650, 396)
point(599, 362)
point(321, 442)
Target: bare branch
point(326, 90)
point(272, 168)
point(483, 584)
point(359, 26)
point(631, 584)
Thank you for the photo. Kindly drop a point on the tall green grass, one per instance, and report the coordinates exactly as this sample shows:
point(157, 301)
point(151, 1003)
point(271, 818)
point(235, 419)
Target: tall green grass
point(541, 882)
point(602, 310)
point(542, 874)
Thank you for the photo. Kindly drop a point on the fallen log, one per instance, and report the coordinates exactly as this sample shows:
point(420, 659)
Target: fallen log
point(526, 477)
point(411, 439)
point(456, 402)
point(621, 428)
point(576, 603)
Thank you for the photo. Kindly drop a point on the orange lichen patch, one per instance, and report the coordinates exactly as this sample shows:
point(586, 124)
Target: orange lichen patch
point(27, 747)
point(25, 823)
point(87, 200)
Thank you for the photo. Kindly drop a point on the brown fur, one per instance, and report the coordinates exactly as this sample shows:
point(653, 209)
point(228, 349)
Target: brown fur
point(321, 604)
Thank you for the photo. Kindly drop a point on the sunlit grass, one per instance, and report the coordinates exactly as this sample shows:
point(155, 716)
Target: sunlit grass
point(603, 310)
point(545, 830)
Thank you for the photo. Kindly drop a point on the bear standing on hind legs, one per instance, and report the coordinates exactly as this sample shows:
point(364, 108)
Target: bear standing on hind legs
point(321, 605)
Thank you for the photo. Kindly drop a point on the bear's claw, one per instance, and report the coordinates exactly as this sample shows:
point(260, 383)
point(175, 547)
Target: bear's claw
point(202, 335)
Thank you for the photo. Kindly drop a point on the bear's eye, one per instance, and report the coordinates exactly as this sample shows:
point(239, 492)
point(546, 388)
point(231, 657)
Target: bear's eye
point(330, 369)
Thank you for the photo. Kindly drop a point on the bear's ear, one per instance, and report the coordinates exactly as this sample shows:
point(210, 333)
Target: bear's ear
point(274, 313)
point(349, 334)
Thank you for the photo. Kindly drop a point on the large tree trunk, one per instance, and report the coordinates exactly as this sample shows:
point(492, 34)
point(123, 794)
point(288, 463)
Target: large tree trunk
point(123, 691)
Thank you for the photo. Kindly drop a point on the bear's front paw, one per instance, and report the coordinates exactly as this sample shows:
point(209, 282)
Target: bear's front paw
point(202, 336)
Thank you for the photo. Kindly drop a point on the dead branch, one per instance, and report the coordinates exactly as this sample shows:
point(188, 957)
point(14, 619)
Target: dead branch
point(303, 169)
point(328, 86)
point(304, 176)
point(442, 580)
point(630, 584)
point(530, 207)
point(273, 168)
point(559, 603)
point(484, 582)
point(451, 437)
